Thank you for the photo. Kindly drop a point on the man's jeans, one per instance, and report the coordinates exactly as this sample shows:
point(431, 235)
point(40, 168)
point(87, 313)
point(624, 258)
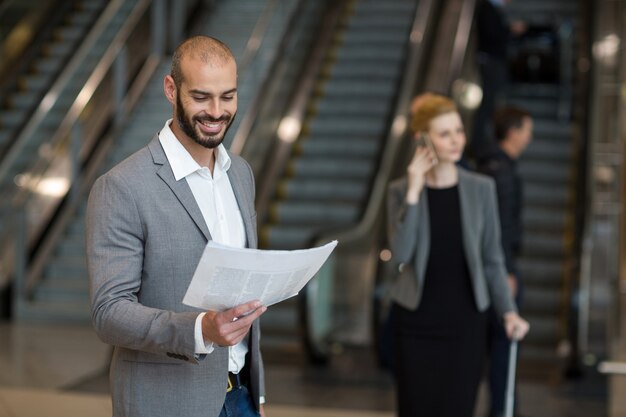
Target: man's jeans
point(238, 403)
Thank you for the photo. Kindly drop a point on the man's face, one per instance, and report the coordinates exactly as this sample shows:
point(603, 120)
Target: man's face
point(524, 134)
point(206, 102)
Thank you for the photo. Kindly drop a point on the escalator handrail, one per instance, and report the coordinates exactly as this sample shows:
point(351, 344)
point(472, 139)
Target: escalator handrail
point(256, 38)
point(244, 129)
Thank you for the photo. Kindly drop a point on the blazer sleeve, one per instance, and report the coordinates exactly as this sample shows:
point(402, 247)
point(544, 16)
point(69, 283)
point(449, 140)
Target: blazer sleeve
point(401, 223)
point(115, 251)
point(493, 258)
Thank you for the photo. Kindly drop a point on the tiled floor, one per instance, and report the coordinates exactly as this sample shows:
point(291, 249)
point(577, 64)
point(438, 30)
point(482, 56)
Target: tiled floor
point(59, 371)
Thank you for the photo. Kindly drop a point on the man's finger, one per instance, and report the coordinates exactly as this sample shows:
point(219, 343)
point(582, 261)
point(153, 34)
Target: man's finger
point(242, 310)
point(246, 320)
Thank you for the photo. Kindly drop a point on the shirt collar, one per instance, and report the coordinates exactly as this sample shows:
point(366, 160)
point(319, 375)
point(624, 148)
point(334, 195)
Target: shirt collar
point(181, 161)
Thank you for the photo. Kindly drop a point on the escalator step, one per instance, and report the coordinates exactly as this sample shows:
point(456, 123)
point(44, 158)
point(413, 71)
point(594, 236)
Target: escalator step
point(62, 267)
point(375, 22)
point(544, 149)
point(366, 147)
point(535, 90)
point(552, 130)
point(542, 219)
point(338, 190)
point(542, 300)
point(69, 33)
point(545, 272)
point(355, 70)
point(545, 172)
point(81, 18)
point(314, 213)
point(50, 64)
point(331, 168)
point(351, 106)
point(545, 330)
point(36, 82)
point(288, 237)
point(354, 126)
point(544, 245)
point(380, 90)
point(12, 119)
point(367, 52)
point(545, 195)
point(59, 49)
point(389, 37)
point(94, 5)
point(6, 135)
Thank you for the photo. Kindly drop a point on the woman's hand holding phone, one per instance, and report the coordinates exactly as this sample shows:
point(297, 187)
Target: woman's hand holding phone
point(423, 160)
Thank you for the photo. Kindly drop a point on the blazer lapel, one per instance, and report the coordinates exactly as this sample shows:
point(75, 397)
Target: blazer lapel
point(423, 235)
point(179, 188)
point(243, 201)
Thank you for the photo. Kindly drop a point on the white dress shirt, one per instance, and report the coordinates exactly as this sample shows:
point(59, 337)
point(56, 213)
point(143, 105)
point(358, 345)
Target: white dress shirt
point(216, 200)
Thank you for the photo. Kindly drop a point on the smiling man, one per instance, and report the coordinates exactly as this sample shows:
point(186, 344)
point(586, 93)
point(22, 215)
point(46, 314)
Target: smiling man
point(148, 221)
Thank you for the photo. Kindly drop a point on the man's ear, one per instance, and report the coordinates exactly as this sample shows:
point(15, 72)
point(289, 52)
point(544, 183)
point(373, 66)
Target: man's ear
point(169, 88)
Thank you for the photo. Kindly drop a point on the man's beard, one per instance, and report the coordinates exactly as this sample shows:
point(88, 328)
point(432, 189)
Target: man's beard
point(186, 124)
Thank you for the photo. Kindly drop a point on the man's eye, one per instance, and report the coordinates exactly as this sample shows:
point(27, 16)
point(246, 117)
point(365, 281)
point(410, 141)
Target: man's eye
point(229, 98)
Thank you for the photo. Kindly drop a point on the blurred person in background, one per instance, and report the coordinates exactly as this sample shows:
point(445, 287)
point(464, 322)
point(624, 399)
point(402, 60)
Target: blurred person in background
point(444, 230)
point(513, 132)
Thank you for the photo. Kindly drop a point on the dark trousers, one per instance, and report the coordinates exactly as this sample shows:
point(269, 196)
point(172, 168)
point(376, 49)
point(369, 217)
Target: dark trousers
point(239, 403)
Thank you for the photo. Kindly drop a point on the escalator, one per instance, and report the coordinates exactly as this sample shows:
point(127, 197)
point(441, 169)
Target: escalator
point(40, 67)
point(45, 94)
point(327, 179)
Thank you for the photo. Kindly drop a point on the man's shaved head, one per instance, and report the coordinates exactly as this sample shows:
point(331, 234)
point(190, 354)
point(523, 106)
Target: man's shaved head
point(203, 48)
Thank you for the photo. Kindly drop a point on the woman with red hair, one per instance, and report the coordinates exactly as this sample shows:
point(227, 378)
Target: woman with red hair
point(444, 231)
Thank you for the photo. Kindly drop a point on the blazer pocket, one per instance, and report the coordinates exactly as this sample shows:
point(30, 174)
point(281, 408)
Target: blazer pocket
point(147, 357)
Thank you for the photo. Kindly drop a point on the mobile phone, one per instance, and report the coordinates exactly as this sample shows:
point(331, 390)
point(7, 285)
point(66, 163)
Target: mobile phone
point(424, 140)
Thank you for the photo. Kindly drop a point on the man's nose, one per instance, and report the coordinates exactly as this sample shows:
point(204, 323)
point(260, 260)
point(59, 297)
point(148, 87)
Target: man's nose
point(214, 108)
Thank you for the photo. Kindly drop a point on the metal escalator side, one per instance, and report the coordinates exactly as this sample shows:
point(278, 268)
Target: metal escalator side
point(598, 299)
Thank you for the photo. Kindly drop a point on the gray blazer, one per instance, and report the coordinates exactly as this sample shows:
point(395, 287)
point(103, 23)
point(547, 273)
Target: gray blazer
point(409, 238)
point(145, 235)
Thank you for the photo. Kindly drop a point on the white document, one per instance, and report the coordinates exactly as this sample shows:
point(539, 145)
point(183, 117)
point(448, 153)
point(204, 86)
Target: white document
point(227, 277)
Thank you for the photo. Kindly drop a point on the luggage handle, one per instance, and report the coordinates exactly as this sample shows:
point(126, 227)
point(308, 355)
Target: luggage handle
point(510, 384)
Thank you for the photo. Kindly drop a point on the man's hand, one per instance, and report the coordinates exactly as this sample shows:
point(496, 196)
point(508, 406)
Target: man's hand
point(230, 327)
point(515, 325)
point(261, 411)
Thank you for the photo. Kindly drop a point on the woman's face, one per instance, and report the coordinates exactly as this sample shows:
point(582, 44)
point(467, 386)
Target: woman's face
point(447, 136)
